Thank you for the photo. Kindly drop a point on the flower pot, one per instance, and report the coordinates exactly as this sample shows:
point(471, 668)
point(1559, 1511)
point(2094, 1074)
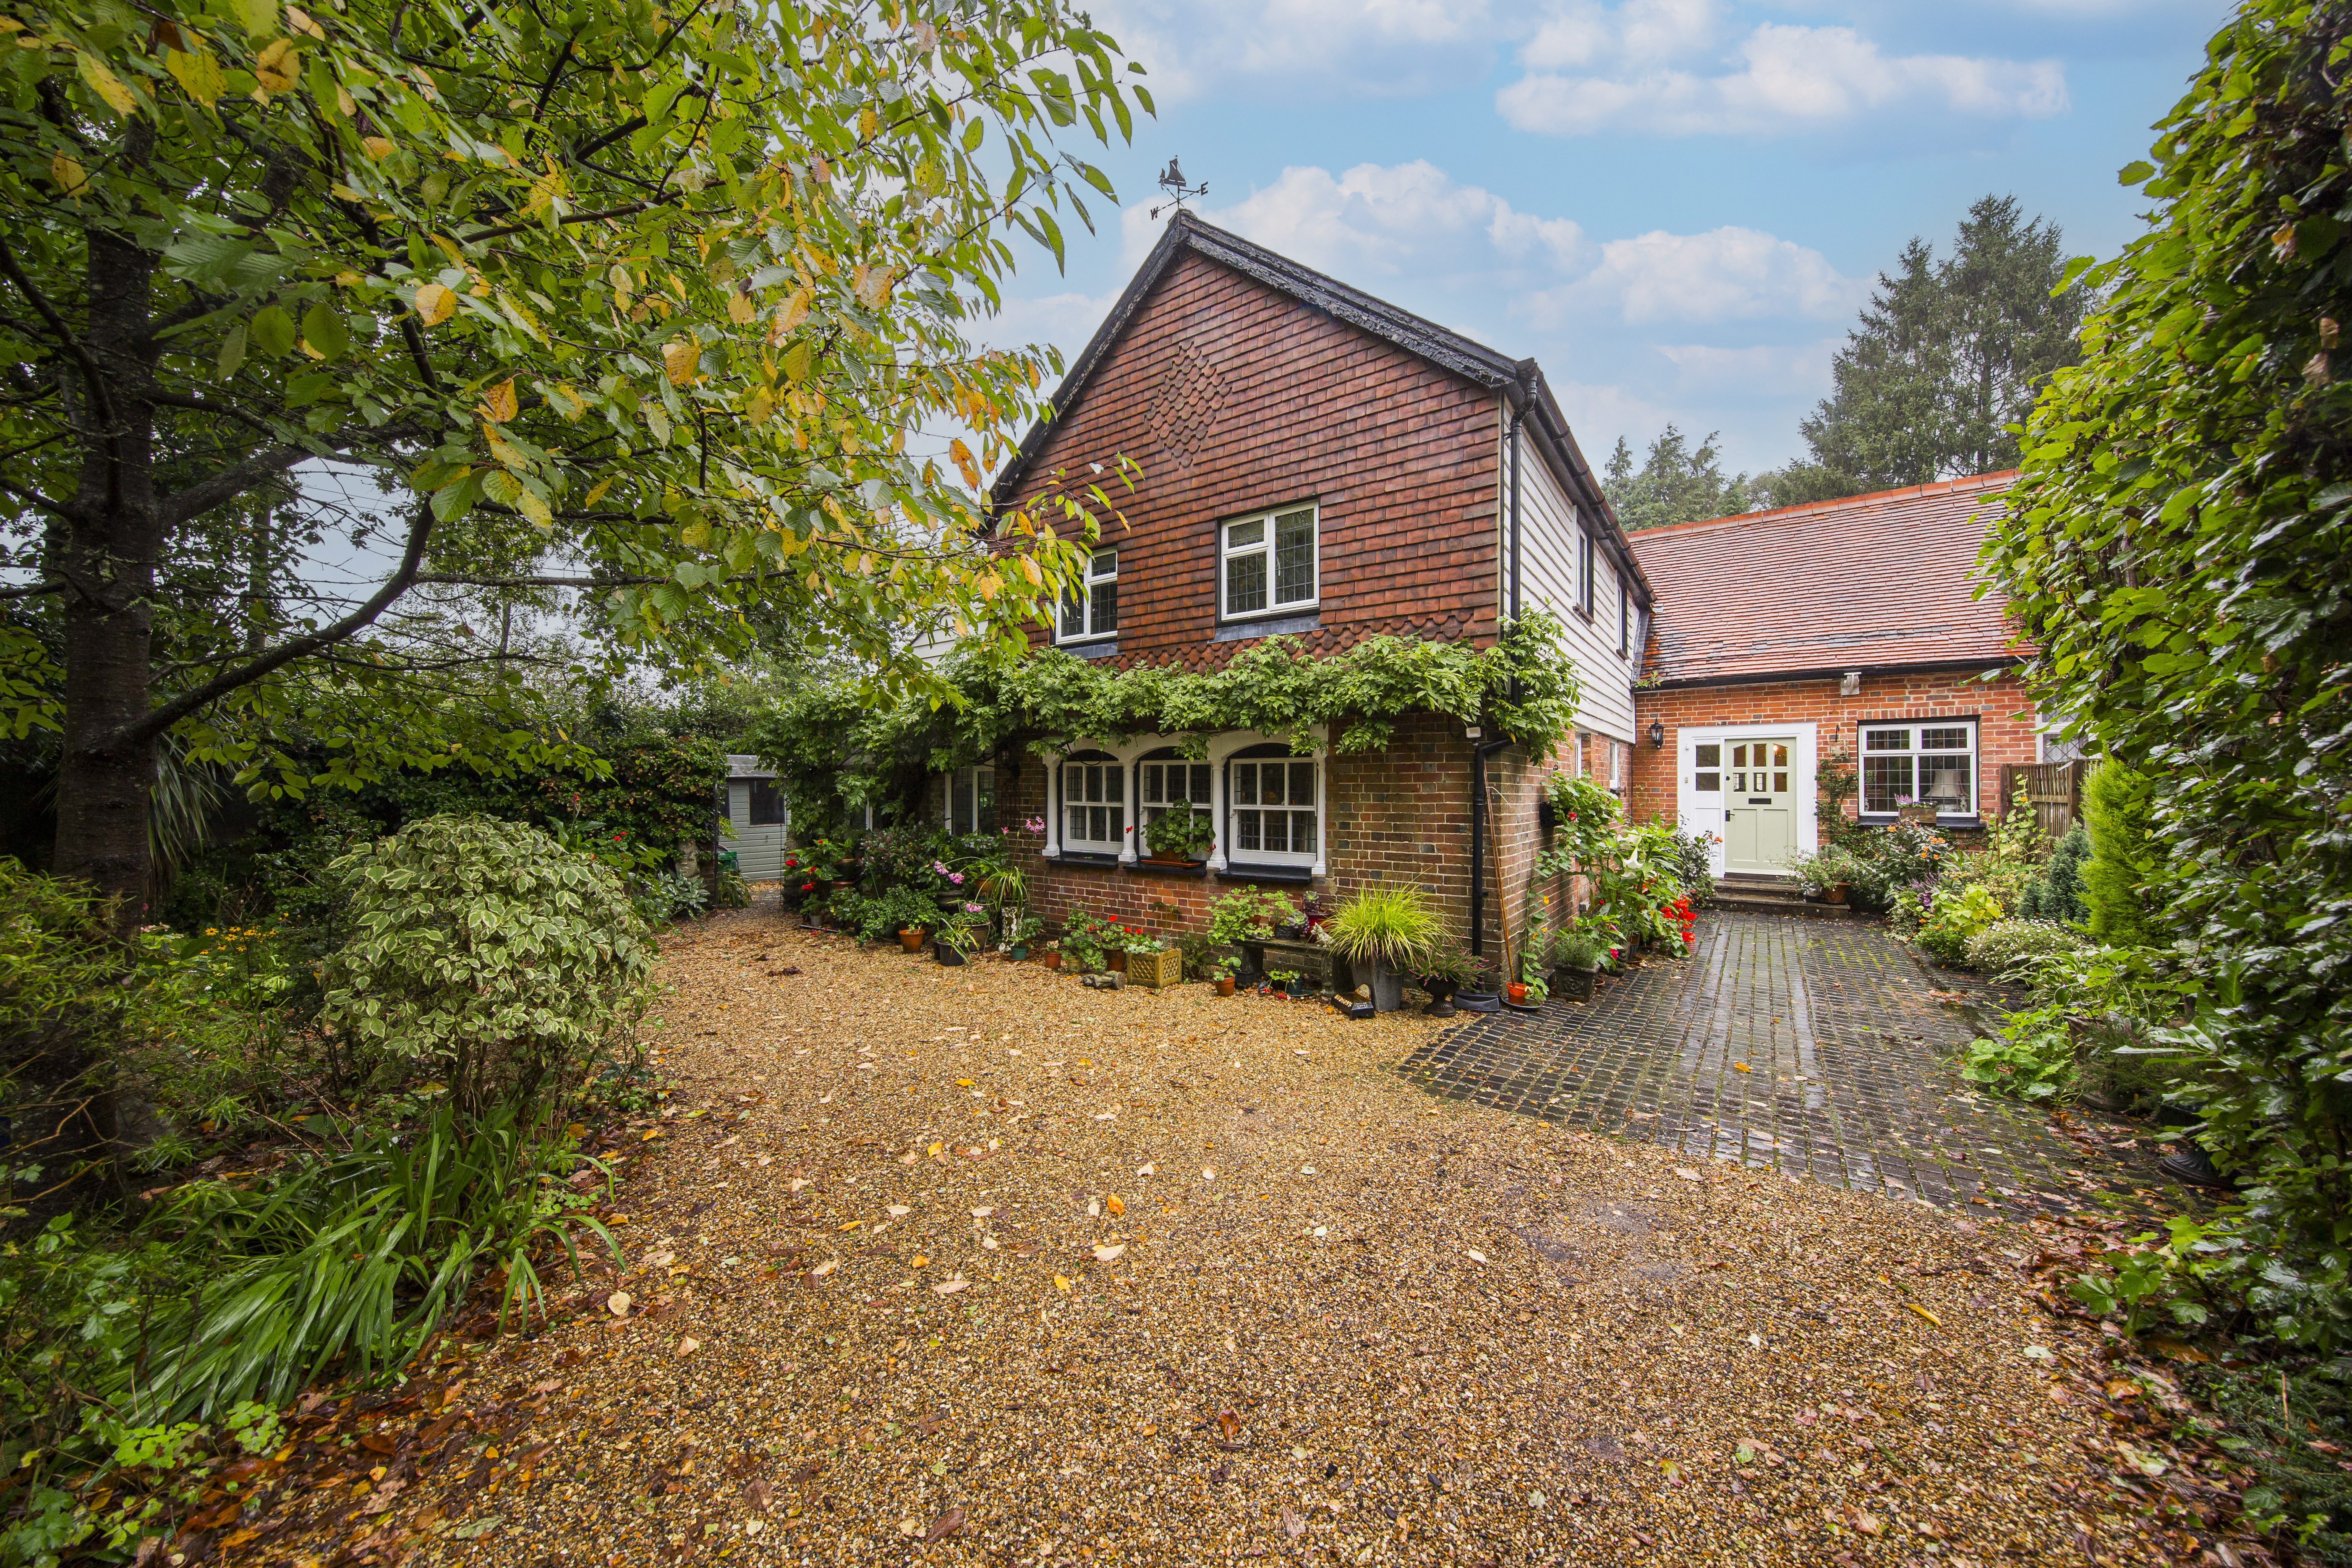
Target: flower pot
point(1921, 815)
point(1155, 969)
point(1388, 989)
point(1441, 997)
point(1836, 892)
point(1116, 962)
point(911, 939)
point(1287, 931)
point(948, 955)
point(1574, 983)
point(1016, 954)
point(1517, 993)
point(1225, 984)
point(1053, 959)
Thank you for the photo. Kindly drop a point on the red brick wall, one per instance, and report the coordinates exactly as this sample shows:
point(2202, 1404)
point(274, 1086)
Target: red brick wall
point(2003, 711)
point(1234, 398)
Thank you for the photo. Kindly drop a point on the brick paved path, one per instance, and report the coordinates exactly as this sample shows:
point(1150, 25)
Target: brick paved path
point(1811, 1046)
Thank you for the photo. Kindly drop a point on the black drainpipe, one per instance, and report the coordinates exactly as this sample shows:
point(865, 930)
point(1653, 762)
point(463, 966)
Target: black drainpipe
point(1481, 750)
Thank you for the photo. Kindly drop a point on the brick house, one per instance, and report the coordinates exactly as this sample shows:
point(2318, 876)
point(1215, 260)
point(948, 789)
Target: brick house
point(1318, 464)
point(1848, 633)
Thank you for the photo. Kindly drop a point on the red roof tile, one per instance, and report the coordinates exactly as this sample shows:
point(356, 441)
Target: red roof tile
point(1872, 581)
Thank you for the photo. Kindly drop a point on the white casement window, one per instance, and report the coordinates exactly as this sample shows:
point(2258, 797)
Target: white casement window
point(1624, 618)
point(1093, 612)
point(1272, 811)
point(1267, 563)
point(972, 800)
point(1094, 805)
point(1931, 761)
point(1160, 784)
point(1584, 570)
point(1616, 767)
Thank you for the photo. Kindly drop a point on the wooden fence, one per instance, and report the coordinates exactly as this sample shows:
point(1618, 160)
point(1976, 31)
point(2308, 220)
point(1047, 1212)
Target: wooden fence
point(2055, 791)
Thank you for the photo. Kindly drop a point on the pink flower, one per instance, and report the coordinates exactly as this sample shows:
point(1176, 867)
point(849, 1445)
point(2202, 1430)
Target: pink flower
point(975, 909)
point(957, 877)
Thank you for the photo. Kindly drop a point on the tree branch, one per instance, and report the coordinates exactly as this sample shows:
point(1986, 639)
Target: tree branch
point(229, 483)
point(178, 400)
point(286, 652)
point(59, 508)
point(32, 590)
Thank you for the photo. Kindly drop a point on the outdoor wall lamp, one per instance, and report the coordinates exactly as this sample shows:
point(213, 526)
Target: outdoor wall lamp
point(1657, 735)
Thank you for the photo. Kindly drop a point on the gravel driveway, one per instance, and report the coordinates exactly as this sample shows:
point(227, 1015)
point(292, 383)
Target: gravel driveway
point(978, 1266)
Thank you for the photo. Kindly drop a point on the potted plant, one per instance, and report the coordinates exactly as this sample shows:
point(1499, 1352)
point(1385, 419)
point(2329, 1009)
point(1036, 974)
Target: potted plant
point(911, 938)
point(1228, 967)
point(1151, 961)
point(1389, 928)
point(1086, 941)
point(1575, 961)
point(1021, 928)
point(1284, 980)
point(1919, 813)
point(1052, 955)
point(1178, 837)
point(1477, 993)
point(1445, 971)
point(959, 933)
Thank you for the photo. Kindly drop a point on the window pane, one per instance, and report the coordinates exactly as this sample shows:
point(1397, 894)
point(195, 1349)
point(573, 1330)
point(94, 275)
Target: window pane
point(1710, 782)
point(1277, 835)
point(1302, 833)
point(985, 800)
point(1245, 829)
point(1293, 557)
point(1106, 563)
point(1739, 756)
point(1089, 783)
point(1269, 783)
point(1246, 783)
point(1944, 740)
point(1106, 608)
point(1739, 783)
point(767, 803)
point(1710, 756)
point(959, 801)
point(1245, 584)
point(1779, 783)
point(1887, 740)
point(1198, 794)
point(1947, 782)
point(1240, 535)
point(1152, 777)
point(1302, 784)
point(1098, 819)
point(1780, 756)
point(1114, 783)
point(1074, 617)
point(1886, 783)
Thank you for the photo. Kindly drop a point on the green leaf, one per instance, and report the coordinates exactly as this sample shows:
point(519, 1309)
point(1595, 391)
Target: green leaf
point(258, 17)
point(273, 330)
point(323, 330)
point(2135, 172)
point(232, 351)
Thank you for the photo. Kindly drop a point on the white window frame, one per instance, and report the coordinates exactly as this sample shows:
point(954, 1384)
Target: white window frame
point(1624, 619)
point(1150, 810)
point(1917, 752)
point(1112, 788)
point(1701, 811)
point(1099, 575)
point(1235, 804)
point(1616, 767)
point(1585, 568)
point(967, 778)
point(1219, 749)
point(1265, 548)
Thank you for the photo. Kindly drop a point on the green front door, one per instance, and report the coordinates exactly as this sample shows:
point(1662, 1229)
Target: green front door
point(1759, 808)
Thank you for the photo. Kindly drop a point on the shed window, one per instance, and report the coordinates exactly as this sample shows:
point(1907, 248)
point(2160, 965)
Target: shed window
point(766, 806)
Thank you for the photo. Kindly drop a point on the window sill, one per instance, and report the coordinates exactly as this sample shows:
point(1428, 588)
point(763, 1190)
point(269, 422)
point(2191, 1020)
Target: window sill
point(1093, 647)
point(1876, 819)
point(1169, 867)
point(1288, 621)
point(1239, 871)
point(1085, 858)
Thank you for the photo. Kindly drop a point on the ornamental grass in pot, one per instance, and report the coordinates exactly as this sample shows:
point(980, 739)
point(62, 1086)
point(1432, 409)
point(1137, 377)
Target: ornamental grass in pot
point(1575, 961)
point(1444, 972)
point(1389, 928)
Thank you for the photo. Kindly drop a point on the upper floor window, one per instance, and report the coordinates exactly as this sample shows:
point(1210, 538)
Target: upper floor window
point(1094, 804)
point(1267, 562)
point(1273, 810)
point(972, 800)
point(1903, 764)
point(1624, 618)
point(1584, 570)
point(1092, 611)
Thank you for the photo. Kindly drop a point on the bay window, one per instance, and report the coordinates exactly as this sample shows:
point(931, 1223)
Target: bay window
point(1934, 761)
point(1267, 563)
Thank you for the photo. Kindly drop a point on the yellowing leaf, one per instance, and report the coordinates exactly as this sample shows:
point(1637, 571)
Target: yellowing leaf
point(504, 451)
point(345, 104)
point(1925, 1313)
point(794, 311)
point(1115, 1204)
point(822, 1269)
point(618, 1303)
point(853, 1225)
point(532, 507)
point(435, 303)
point(597, 493)
point(300, 22)
point(1103, 1254)
point(257, 16)
point(379, 147)
point(1029, 570)
point(198, 74)
point(872, 287)
point(1060, 1283)
point(989, 586)
point(949, 1287)
point(740, 309)
point(105, 83)
point(796, 363)
point(565, 401)
point(678, 359)
point(964, 465)
point(69, 175)
point(498, 401)
point(763, 407)
point(278, 67)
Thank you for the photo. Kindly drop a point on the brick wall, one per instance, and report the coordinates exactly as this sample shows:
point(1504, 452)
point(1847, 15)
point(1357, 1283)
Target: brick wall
point(1235, 398)
point(2003, 711)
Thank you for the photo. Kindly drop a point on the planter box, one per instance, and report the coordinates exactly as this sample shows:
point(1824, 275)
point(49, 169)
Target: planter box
point(1155, 969)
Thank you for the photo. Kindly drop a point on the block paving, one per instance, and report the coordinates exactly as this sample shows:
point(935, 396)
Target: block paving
point(1818, 1049)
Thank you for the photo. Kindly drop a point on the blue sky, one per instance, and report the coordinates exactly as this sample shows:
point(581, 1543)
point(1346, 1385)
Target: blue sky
point(1676, 205)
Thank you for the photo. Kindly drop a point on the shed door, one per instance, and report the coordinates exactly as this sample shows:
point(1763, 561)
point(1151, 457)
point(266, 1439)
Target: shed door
point(1760, 806)
point(758, 823)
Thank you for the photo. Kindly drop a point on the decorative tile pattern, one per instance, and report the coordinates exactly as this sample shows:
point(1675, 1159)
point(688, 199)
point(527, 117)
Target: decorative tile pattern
point(1813, 1047)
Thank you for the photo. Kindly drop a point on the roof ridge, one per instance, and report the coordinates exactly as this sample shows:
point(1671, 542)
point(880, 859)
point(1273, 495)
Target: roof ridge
point(1779, 513)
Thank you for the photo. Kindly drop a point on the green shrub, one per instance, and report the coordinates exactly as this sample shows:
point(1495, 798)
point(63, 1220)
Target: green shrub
point(1391, 927)
point(2268, 1421)
point(1957, 912)
point(487, 956)
point(2116, 803)
point(2057, 893)
point(2030, 1057)
point(1248, 913)
point(2007, 947)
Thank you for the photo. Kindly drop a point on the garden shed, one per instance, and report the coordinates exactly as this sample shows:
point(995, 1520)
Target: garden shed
point(757, 819)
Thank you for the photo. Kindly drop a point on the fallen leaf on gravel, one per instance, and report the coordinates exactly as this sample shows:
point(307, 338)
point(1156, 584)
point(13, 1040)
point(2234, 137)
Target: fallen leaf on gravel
point(376, 1442)
point(1109, 1254)
point(1925, 1313)
point(1867, 1523)
point(660, 1259)
point(1292, 1525)
point(756, 1494)
point(947, 1524)
point(949, 1287)
point(917, 1261)
point(899, 1211)
point(983, 1212)
point(853, 1225)
point(1107, 1116)
point(1207, 1174)
point(1115, 1204)
point(618, 1302)
point(826, 1267)
point(1229, 1424)
point(796, 1183)
point(689, 1346)
point(1687, 1174)
point(1060, 1283)
point(1147, 1170)
point(1475, 1256)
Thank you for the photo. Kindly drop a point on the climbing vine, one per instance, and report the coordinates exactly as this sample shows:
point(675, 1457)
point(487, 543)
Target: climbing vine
point(837, 748)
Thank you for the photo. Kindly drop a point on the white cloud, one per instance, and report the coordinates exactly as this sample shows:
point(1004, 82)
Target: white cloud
point(1780, 78)
point(1724, 275)
point(1385, 48)
point(1773, 369)
point(1404, 220)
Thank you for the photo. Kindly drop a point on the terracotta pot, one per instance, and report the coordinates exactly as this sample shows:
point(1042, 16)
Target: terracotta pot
point(1053, 961)
point(911, 939)
point(1115, 961)
point(1225, 984)
point(1836, 892)
point(1518, 992)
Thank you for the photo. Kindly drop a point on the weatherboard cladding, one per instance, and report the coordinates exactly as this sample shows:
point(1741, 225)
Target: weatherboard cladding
point(1235, 398)
point(1877, 581)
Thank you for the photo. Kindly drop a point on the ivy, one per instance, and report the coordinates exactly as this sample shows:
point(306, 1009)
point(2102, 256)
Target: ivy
point(836, 748)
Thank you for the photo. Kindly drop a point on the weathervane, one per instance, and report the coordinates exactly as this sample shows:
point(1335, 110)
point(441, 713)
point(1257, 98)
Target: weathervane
point(1171, 180)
